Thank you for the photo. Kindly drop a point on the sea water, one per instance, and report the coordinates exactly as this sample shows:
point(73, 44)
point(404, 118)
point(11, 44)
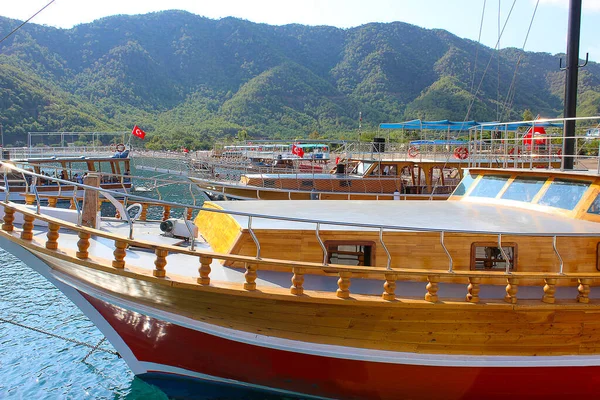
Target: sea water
point(34, 365)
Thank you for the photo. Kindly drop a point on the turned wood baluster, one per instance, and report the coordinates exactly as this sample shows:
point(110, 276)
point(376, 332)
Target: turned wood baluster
point(189, 213)
point(473, 290)
point(27, 232)
point(511, 290)
point(144, 213)
point(549, 290)
point(432, 288)
point(584, 290)
point(250, 276)
point(52, 243)
point(297, 287)
point(29, 198)
point(160, 263)
point(166, 213)
point(204, 270)
point(343, 291)
point(72, 204)
point(83, 245)
point(119, 254)
point(9, 217)
point(389, 287)
point(52, 201)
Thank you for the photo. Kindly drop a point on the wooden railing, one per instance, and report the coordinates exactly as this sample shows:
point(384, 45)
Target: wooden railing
point(297, 269)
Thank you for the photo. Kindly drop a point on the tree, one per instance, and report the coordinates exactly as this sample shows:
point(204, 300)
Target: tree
point(242, 135)
point(314, 135)
point(528, 115)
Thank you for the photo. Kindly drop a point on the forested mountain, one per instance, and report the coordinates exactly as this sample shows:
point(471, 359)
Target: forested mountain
point(189, 80)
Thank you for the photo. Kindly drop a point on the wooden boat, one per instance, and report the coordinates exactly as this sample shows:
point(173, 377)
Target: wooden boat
point(113, 170)
point(367, 179)
point(487, 294)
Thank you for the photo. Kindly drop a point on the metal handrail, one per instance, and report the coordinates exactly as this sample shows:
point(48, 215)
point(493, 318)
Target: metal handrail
point(389, 256)
point(256, 242)
point(76, 202)
point(314, 221)
point(504, 255)
point(317, 232)
point(190, 230)
point(557, 254)
point(6, 186)
point(37, 195)
point(450, 261)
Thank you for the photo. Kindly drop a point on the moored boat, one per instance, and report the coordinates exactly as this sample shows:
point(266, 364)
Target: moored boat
point(114, 171)
point(340, 299)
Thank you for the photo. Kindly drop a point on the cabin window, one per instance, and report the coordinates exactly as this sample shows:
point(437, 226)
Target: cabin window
point(464, 184)
point(564, 193)
point(345, 183)
point(489, 186)
point(595, 206)
point(269, 183)
point(307, 184)
point(524, 188)
point(350, 253)
point(361, 168)
point(488, 257)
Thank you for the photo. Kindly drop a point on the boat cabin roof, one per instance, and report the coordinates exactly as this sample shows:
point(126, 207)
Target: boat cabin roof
point(411, 215)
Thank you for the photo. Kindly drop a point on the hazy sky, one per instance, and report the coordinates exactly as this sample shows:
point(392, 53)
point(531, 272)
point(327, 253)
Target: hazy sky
point(461, 17)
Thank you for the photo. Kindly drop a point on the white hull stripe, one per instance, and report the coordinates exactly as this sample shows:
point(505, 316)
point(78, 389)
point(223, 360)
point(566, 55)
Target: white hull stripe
point(334, 351)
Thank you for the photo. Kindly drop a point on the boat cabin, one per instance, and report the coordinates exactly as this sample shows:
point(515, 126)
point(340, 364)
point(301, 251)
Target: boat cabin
point(494, 220)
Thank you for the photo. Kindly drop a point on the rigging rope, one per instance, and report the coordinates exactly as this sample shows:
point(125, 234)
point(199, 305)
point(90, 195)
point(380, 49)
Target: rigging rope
point(477, 47)
point(478, 87)
point(75, 341)
point(510, 95)
point(29, 19)
point(489, 63)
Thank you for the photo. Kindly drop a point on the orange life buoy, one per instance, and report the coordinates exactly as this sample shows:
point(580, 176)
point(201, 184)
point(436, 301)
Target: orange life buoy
point(512, 152)
point(413, 151)
point(461, 153)
point(120, 147)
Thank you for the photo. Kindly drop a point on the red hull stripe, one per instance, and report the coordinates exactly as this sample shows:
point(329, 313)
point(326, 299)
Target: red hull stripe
point(159, 342)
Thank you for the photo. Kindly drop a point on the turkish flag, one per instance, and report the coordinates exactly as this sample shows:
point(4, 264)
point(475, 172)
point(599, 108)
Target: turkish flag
point(297, 150)
point(137, 132)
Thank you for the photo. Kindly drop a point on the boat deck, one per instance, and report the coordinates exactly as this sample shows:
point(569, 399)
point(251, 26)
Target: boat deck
point(187, 266)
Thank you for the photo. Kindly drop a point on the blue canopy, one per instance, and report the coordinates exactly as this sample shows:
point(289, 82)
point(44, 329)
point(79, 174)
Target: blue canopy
point(441, 125)
point(446, 125)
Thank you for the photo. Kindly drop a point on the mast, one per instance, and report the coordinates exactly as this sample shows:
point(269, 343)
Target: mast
point(571, 82)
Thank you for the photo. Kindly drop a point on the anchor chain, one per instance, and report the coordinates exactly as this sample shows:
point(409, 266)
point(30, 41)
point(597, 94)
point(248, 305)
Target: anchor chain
point(75, 341)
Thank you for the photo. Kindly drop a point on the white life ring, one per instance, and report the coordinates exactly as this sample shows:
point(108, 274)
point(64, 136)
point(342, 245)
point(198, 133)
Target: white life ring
point(139, 212)
point(120, 147)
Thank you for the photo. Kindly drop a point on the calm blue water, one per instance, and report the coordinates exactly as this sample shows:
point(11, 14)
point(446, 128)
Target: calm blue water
point(35, 366)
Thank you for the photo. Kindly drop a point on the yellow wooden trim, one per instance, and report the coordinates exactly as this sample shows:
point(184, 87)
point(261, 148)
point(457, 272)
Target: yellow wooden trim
point(542, 191)
point(505, 187)
point(473, 184)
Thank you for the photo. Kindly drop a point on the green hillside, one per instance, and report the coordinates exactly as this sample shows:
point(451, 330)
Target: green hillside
point(189, 80)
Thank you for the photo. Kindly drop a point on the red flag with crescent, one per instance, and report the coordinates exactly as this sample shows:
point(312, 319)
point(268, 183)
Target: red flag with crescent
point(297, 150)
point(137, 132)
